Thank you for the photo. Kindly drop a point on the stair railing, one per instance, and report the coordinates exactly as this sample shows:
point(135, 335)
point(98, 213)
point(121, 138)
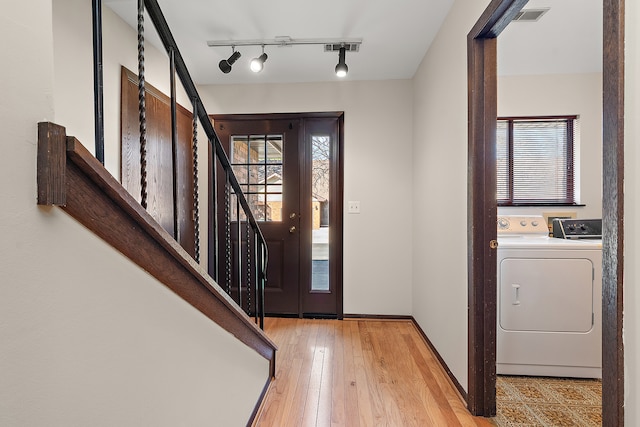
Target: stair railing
point(250, 264)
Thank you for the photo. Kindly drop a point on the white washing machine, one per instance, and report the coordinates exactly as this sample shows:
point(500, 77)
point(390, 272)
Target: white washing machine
point(549, 319)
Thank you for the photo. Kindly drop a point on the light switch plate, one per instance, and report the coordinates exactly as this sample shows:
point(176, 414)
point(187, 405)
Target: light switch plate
point(354, 207)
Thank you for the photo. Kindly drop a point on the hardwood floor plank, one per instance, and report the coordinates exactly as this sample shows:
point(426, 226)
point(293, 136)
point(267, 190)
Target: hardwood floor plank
point(304, 351)
point(325, 403)
point(443, 381)
point(412, 392)
point(337, 410)
point(364, 397)
point(350, 405)
point(374, 375)
point(314, 387)
point(358, 373)
point(440, 399)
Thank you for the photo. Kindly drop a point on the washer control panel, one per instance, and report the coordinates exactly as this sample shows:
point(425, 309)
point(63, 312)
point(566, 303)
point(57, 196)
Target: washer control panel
point(517, 225)
point(577, 228)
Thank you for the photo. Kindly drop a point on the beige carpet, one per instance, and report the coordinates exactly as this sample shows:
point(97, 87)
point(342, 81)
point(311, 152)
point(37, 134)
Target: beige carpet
point(544, 401)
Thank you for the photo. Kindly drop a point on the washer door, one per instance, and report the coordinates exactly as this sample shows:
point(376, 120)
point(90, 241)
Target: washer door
point(546, 295)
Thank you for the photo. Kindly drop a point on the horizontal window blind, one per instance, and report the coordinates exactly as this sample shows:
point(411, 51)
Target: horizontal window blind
point(535, 160)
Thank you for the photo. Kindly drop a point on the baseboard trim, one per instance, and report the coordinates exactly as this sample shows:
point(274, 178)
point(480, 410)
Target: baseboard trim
point(378, 317)
point(259, 404)
point(452, 377)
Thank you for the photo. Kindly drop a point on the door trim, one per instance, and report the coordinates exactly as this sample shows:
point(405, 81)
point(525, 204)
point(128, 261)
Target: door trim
point(482, 207)
point(613, 214)
point(336, 208)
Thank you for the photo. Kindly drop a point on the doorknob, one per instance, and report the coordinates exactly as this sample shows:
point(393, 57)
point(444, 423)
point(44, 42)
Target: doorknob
point(292, 229)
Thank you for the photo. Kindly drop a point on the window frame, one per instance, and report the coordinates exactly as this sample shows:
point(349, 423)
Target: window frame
point(570, 196)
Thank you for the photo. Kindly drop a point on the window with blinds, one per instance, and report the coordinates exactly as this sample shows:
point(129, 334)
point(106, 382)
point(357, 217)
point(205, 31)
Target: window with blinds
point(535, 160)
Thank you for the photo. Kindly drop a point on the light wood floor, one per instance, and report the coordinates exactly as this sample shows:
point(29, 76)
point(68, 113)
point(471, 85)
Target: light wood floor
point(358, 373)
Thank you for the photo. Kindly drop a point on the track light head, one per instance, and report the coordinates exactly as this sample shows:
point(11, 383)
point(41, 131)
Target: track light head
point(225, 64)
point(257, 64)
point(341, 68)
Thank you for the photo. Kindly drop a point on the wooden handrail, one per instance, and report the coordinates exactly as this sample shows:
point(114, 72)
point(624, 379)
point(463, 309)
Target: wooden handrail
point(70, 177)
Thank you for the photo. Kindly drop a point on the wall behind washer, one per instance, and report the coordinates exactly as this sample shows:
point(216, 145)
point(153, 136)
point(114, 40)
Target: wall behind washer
point(563, 94)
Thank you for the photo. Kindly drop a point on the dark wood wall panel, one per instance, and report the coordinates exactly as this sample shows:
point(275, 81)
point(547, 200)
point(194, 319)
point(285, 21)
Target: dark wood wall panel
point(184, 176)
point(160, 173)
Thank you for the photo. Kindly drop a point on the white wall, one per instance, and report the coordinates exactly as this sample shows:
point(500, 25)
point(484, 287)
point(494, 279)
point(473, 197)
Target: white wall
point(440, 188)
point(87, 337)
point(632, 217)
point(563, 94)
point(377, 162)
point(73, 61)
point(73, 83)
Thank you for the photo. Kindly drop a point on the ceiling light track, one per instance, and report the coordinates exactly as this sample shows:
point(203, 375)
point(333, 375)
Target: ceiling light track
point(257, 64)
point(351, 45)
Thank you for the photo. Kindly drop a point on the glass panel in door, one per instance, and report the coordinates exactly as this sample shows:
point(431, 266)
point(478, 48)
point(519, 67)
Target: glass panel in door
point(257, 162)
point(320, 185)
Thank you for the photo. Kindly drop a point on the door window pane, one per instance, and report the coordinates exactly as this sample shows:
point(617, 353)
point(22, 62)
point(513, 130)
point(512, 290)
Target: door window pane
point(239, 153)
point(257, 160)
point(274, 150)
point(320, 179)
point(241, 174)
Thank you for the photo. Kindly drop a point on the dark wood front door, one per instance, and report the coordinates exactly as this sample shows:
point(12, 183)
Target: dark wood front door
point(264, 155)
point(288, 166)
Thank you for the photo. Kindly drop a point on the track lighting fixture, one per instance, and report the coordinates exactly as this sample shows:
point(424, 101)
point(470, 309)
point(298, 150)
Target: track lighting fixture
point(341, 68)
point(257, 64)
point(225, 64)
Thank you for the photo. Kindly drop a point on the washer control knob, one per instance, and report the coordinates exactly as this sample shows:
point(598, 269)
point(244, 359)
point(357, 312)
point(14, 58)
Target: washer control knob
point(523, 223)
point(503, 223)
point(535, 223)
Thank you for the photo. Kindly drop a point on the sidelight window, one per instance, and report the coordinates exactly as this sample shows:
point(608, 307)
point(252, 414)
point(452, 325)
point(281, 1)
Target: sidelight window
point(320, 192)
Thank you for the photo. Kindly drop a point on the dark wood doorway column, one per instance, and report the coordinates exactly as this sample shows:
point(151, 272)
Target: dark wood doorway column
point(482, 207)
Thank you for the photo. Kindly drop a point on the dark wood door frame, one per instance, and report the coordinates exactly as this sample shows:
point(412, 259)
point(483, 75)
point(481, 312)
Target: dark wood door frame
point(482, 207)
point(336, 207)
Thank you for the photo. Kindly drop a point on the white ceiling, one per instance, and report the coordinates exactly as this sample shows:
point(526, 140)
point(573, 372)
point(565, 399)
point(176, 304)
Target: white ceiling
point(396, 35)
point(566, 40)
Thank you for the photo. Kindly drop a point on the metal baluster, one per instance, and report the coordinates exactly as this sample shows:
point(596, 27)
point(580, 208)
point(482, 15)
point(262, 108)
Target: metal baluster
point(142, 107)
point(256, 266)
point(196, 203)
point(248, 256)
point(98, 81)
point(261, 284)
point(174, 144)
point(214, 233)
point(239, 252)
point(227, 233)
